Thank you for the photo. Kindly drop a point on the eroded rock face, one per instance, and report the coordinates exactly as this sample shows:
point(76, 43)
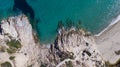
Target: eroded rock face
point(72, 48)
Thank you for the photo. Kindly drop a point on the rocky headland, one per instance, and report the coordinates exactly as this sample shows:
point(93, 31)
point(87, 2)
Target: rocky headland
point(20, 47)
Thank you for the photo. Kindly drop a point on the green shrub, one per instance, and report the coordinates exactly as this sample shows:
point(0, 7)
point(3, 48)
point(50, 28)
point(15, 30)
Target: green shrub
point(43, 65)
point(10, 51)
point(69, 64)
point(6, 64)
point(14, 44)
point(29, 66)
point(11, 57)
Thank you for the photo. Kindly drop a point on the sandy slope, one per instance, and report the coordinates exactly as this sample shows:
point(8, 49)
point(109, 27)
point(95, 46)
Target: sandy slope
point(108, 43)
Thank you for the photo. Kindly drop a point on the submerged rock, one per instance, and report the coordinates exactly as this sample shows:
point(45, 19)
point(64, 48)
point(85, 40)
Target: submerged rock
point(72, 48)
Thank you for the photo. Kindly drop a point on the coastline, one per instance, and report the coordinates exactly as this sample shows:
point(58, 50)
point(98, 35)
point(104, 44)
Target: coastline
point(108, 42)
point(115, 21)
point(71, 46)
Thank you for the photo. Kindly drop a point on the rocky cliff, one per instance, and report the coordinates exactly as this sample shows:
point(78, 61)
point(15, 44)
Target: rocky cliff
point(19, 47)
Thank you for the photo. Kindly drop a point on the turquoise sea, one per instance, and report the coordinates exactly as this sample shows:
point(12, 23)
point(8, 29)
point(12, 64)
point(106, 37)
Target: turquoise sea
point(95, 15)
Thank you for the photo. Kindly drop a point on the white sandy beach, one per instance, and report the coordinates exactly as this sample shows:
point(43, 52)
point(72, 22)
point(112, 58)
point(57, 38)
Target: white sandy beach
point(108, 42)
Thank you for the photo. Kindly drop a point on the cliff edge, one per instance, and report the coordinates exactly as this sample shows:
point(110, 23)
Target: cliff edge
point(19, 47)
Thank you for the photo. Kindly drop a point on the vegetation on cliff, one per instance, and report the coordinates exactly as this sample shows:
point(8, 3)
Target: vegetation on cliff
point(14, 45)
point(6, 64)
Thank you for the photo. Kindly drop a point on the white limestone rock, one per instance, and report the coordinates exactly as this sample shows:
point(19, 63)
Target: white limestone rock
point(82, 49)
point(18, 28)
point(70, 47)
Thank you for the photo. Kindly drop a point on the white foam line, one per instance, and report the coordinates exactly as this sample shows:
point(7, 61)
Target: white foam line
point(112, 23)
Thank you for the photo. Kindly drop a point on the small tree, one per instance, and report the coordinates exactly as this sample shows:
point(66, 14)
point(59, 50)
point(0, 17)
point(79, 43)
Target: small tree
point(6, 64)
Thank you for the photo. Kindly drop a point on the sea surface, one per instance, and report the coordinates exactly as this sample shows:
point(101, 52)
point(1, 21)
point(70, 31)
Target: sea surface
point(95, 15)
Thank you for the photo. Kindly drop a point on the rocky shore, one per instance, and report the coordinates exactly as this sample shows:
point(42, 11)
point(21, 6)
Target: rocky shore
point(72, 48)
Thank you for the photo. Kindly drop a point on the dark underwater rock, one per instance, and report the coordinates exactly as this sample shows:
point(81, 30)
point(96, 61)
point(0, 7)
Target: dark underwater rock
point(23, 6)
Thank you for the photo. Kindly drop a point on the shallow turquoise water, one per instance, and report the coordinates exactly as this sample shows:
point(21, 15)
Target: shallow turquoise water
point(5, 8)
point(94, 14)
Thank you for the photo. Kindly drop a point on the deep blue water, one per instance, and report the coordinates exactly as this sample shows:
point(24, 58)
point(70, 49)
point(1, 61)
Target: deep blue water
point(95, 15)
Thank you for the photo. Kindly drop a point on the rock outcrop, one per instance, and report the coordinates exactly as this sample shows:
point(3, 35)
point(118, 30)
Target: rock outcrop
point(72, 48)
point(18, 41)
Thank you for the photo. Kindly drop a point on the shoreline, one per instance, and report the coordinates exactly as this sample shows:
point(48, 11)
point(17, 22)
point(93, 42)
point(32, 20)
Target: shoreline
point(20, 41)
point(108, 42)
point(113, 22)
